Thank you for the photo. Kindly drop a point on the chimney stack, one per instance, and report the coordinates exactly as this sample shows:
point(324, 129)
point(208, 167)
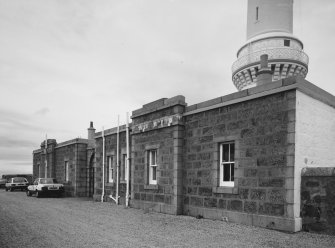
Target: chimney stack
point(264, 74)
point(91, 132)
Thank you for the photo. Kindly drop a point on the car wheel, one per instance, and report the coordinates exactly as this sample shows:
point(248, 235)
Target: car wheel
point(38, 194)
point(28, 193)
point(11, 189)
point(6, 189)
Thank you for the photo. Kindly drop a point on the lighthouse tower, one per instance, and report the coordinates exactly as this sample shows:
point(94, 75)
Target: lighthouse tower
point(269, 32)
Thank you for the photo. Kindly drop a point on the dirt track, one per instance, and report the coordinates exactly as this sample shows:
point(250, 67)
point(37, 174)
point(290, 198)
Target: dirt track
point(74, 222)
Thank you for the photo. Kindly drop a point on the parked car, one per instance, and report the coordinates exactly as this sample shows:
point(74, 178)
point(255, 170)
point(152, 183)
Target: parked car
point(17, 183)
point(45, 186)
point(3, 183)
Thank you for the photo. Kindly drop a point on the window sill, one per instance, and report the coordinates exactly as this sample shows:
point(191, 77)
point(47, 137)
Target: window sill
point(225, 190)
point(151, 186)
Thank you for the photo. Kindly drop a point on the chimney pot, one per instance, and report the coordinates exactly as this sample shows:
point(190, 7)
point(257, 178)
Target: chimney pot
point(90, 132)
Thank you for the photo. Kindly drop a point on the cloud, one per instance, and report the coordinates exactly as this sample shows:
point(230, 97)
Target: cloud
point(15, 155)
point(92, 60)
point(6, 141)
point(42, 111)
point(15, 167)
point(12, 120)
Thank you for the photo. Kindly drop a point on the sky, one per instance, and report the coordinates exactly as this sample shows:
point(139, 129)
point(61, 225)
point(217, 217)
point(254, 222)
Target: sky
point(64, 63)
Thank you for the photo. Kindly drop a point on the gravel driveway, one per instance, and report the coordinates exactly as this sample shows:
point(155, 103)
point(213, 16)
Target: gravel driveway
point(75, 222)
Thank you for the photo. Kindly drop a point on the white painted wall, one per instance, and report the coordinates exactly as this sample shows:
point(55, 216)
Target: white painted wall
point(273, 16)
point(314, 138)
point(272, 42)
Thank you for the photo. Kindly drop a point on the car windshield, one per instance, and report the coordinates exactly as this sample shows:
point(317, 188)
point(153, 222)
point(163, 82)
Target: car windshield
point(19, 180)
point(48, 180)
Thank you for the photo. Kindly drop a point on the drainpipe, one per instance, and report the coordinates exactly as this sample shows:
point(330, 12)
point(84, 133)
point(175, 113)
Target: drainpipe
point(103, 165)
point(46, 157)
point(117, 160)
point(127, 163)
point(116, 199)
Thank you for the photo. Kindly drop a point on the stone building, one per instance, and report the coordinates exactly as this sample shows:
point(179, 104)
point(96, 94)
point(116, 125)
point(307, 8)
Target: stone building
point(238, 157)
point(66, 161)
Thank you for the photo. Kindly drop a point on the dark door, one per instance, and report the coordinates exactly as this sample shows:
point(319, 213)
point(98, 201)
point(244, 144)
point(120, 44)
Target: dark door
point(91, 177)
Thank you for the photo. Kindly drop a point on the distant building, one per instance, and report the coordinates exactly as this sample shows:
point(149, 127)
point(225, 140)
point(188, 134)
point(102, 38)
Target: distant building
point(238, 157)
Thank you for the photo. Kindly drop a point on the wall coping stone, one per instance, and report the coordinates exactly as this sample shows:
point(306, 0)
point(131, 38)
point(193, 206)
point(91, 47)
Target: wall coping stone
point(49, 142)
point(71, 142)
point(292, 83)
point(155, 104)
point(37, 151)
point(62, 144)
point(318, 172)
point(112, 131)
point(159, 105)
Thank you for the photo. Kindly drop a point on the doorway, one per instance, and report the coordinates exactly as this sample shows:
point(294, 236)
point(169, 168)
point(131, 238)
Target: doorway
point(91, 177)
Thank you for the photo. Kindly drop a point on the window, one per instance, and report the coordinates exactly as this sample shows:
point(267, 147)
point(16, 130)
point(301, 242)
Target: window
point(48, 181)
point(66, 171)
point(257, 10)
point(227, 164)
point(19, 180)
point(110, 169)
point(39, 170)
point(287, 43)
point(152, 159)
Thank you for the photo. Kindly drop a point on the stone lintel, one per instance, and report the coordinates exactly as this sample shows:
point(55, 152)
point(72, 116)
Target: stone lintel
point(318, 172)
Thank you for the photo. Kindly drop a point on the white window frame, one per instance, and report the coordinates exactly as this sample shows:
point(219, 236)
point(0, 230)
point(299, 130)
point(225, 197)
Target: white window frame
point(152, 166)
point(230, 162)
point(110, 160)
point(67, 172)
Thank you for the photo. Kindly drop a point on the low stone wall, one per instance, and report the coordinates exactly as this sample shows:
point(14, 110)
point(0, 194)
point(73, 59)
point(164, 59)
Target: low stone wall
point(318, 200)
